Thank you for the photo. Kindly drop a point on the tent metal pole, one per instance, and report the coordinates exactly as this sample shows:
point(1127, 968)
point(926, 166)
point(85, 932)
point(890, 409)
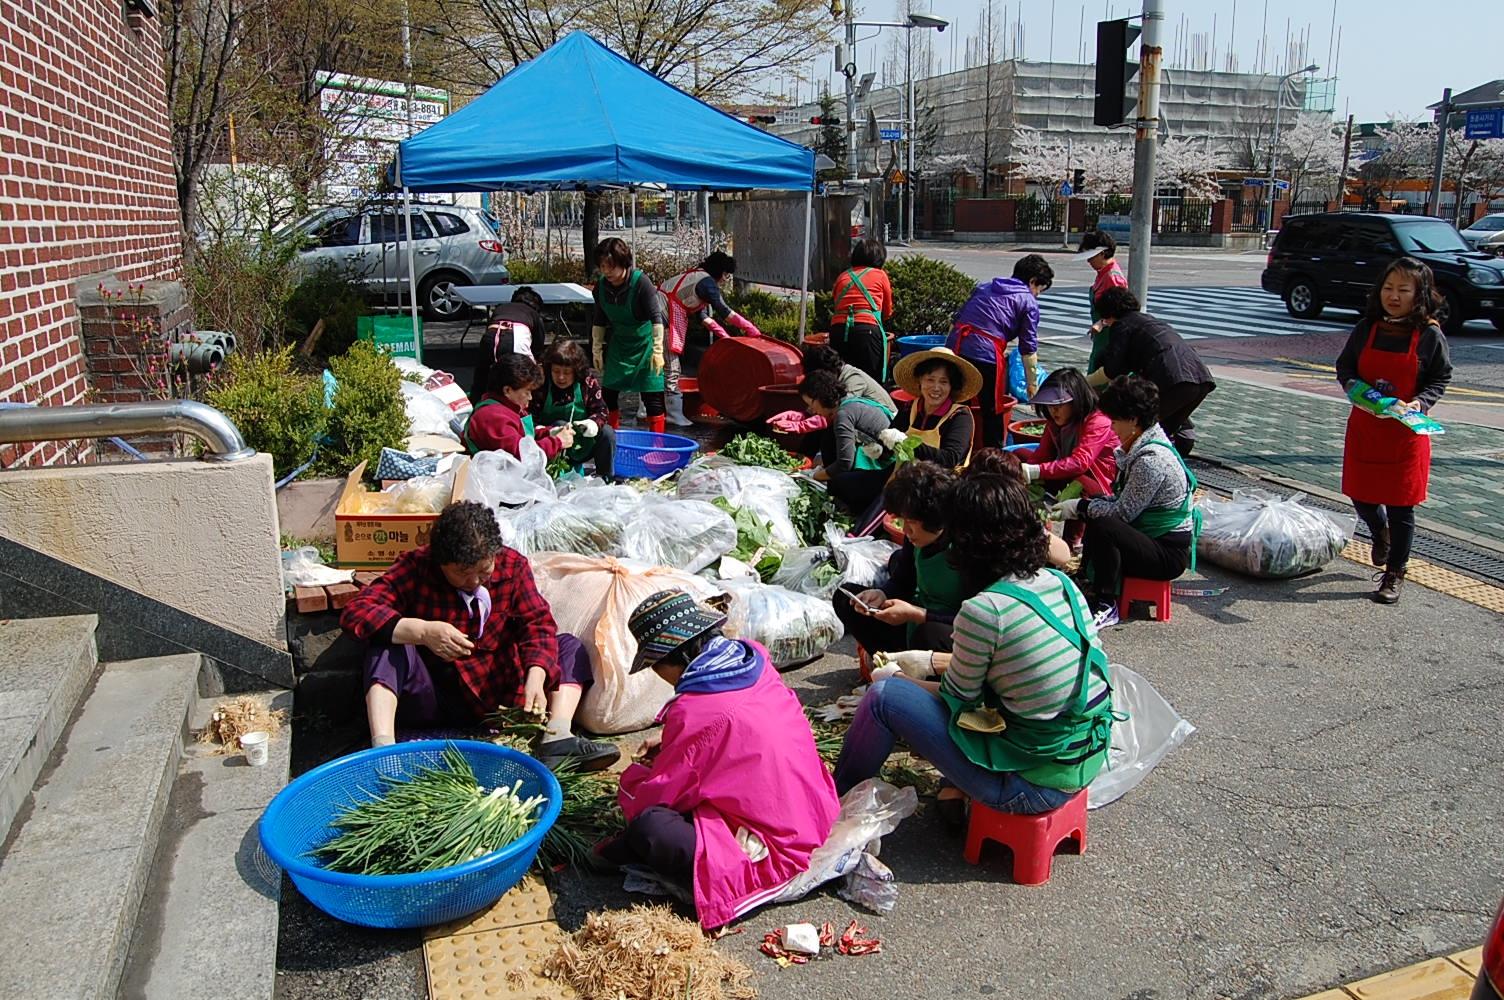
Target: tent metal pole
point(412, 280)
point(548, 236)
point(706, 196)
point(809, 210)
point(634, 220)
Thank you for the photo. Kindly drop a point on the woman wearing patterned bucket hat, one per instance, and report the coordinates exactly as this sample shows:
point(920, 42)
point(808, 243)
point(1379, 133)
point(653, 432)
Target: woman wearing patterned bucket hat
point(734, 798)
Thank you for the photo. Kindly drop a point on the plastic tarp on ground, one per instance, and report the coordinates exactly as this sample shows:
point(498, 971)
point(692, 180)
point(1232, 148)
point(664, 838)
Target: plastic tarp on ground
point(579, 115)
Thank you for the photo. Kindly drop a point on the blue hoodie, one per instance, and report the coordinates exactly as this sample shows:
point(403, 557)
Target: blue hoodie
point(1004, 308)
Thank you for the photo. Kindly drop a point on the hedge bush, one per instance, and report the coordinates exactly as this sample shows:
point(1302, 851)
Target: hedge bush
point(927, 294)
point(278, 409)
point(331, 293)
point(368, 412)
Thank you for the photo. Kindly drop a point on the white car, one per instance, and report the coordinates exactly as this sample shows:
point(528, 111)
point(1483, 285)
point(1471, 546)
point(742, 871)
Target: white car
point(1487, 233)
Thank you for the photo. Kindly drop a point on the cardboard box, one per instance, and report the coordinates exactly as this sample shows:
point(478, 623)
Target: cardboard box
point(374, 541)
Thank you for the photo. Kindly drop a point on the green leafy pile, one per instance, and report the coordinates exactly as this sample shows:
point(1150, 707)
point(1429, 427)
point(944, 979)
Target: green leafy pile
point(753, 449)
point(811, 510)
point(438, 818)
point(754, 540)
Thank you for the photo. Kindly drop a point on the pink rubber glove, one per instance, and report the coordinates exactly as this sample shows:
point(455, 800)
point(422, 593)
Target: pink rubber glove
point(717, 330)
point(743, 325)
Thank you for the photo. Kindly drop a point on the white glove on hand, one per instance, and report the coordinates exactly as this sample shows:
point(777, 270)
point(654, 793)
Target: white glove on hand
point(915, 663)
point(883, 673)
point(751, 844)
point(588, 428)
point(1031, 473)
point(873, 451)
point(1068, 510)
point(892, 438)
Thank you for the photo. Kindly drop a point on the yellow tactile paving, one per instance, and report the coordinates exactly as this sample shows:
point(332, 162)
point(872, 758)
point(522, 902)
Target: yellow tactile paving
point(1331, 995)
point(528, 902)
point(1438, 578)
point(1470, 961)
point(504, 962)
point(1437, 979)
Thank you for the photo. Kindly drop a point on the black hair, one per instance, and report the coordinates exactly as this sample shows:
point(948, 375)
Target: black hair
point(868, 253)
point(822, 359)
point(464, 533)
point(1427, 301)
point(719, 264)
point(616, 250)
point(1117, 302)
point(993, 462)
point(565, 353)
point(918, 490)
point(994, 530)
point(685, 653)
point(1131, 397)
point(528, 297)
point(514, 371)
point(1099, 240)
point(952, 371)
point(825, 388)
point(1034, 268)
point(1083, 397)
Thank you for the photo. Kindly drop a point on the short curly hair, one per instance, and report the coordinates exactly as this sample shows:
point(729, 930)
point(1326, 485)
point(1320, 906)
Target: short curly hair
point(822, 359)
point(464, 533)
point(514, 371)
point(824, 388)
point(917, 491)
point(994, 462)
point(994, 531)
point(1131, 397)
point(1116, 302)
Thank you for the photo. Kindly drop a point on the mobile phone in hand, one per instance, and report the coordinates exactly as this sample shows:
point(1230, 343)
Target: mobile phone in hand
point(857, 600)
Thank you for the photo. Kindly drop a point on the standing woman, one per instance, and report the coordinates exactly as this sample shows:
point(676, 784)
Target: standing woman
point(1399, 349)
point(863, 305)
point(697, 292)
point(1099, 249)
point(627, 333)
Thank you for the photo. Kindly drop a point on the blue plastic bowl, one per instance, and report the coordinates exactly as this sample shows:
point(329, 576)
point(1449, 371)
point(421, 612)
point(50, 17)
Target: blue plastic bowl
point(919, 342)
point(645, 455)
point(298, 820)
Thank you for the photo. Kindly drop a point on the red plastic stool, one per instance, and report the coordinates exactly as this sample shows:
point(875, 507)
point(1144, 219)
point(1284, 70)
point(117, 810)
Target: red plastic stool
point(1032, 839)
point(1156, 592)
point(864, 664)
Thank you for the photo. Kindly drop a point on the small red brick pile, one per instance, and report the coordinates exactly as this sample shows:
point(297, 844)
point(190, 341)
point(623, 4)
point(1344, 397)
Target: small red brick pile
point(312, 600)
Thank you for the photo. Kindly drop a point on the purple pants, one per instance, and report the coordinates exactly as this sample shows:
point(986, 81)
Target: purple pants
point(660, 838)
point(435, 696)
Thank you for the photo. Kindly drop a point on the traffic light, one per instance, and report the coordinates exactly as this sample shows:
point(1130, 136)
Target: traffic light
point(821, 120)
point(1078, 181)
point(1117, 95)
point(761, 119)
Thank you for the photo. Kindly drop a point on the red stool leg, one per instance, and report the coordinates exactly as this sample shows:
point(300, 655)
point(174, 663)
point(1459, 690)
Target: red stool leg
point(1162, 606)
point(1033, 867)
point(975, 835)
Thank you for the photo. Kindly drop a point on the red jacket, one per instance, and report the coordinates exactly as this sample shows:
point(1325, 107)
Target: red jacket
point(499, 427)
point(1092, 460)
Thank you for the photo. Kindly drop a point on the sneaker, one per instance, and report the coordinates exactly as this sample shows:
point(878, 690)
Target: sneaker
point(1106, 617)
point(585, 755)
point(1389, 587)
point(1379, 553)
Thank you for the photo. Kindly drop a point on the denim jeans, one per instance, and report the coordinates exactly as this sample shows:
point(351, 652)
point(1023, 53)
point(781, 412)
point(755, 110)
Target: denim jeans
point(896, 708)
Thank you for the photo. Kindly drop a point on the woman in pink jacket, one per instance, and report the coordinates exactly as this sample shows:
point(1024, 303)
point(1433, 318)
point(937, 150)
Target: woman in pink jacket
point(1078, 443)
point(734, 798)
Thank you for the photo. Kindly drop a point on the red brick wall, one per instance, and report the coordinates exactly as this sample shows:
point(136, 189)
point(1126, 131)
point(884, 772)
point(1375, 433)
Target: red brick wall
point(86, 187)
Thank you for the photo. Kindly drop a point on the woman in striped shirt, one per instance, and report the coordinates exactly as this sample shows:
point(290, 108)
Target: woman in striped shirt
point(1021, 716)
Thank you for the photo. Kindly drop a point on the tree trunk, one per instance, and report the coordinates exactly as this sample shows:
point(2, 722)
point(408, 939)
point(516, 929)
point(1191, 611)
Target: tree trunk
point(590, 226)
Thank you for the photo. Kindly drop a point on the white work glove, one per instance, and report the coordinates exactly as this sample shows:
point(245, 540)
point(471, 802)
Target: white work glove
point(751, 844)
point(873, 451)
point(915, 663)
point(588, 428)
point(892, 438)
point(1031, 473)
point(883, 673)
point(1068, 510)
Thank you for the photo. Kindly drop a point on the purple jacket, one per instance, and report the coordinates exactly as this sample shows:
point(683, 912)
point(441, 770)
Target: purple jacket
point(1002, 307)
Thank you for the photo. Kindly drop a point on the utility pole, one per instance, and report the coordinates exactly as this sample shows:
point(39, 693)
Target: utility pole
point(1145, 139)
point(848, 70)
point(908, 177)
point(1443, 114)
point(1347, 152)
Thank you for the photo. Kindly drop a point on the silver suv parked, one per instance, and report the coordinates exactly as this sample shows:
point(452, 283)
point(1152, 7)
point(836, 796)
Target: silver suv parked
point(452, 247)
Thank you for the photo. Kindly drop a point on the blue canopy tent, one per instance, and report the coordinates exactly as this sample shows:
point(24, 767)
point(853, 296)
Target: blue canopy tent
point(580, 117)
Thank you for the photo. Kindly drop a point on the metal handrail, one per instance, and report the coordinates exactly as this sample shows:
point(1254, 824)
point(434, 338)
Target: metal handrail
point(219, 434)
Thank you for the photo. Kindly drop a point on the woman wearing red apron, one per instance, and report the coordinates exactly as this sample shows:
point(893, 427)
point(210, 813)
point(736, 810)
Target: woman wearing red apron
point(1398, 348)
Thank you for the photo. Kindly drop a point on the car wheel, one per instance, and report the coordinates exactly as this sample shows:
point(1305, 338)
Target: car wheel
point(1452, 317)
point(437, 299)
point(1302, 300)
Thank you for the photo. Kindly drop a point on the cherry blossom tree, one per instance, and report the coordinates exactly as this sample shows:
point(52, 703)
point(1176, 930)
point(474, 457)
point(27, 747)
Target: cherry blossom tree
point(1311, 155)
point(1473, 166)
point(1190, 164)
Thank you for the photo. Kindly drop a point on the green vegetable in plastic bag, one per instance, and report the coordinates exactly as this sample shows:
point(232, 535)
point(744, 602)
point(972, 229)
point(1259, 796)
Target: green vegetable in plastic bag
point(754, 540)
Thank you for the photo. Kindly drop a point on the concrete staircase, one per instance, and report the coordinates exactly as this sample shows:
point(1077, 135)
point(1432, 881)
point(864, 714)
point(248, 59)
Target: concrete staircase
point(131, 866)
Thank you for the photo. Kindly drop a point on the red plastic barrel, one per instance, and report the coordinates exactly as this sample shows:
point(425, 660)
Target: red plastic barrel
point(735, 370)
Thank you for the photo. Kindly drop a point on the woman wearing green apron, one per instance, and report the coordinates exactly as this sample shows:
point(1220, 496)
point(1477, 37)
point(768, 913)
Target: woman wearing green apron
point(1147, 529)
point(915, 606)
point(627, 333)
point(862, 304)
point(853, 425)
point(1020, 720)
point(570, 394)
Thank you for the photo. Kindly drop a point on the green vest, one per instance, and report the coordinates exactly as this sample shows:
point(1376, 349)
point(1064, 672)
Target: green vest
point(862, 460)
point(1065, 752)
point(938, 585)
point(554, 414)
point(629, 343)
point(1158, 521)
point(469, 442)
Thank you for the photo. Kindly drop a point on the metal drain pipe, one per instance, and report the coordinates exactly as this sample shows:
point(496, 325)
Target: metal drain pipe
point(221, 438)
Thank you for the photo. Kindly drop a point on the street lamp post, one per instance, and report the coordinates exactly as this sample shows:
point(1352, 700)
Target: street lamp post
point(1279, 101)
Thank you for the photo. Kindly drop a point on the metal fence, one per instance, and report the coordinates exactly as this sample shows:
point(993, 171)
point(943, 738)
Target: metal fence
point(1189, 216)
point(1246, 212)
point(1039, 215)
point(1111, 204)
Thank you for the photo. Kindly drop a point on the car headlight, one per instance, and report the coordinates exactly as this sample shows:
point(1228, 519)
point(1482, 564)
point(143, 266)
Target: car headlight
point(1484, 276)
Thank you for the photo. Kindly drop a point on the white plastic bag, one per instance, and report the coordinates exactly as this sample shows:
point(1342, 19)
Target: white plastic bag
point(869, 812)
point(561, 527)
point(426, 413)
point(1265, 535)
point(795, 628)
point(862, 561)
point(620, 502)
point(502, 482)
point(1152, 729)
point(809, 571)
point(681, 534)
point(765, 492)
point(306, 568)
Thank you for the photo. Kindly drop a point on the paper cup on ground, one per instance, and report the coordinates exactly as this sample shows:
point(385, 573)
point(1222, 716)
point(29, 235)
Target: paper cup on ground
point(254, 745)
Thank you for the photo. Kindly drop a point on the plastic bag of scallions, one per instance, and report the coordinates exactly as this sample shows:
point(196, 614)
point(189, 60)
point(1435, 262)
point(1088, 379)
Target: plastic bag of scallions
point(438, 818)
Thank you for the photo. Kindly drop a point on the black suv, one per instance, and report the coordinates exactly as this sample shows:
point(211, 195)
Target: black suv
point(1334, 258)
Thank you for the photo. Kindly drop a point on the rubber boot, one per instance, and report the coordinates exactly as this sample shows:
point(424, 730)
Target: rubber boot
point(642, 410)
point(613, 417)
point(655, 423)
point(674, 402)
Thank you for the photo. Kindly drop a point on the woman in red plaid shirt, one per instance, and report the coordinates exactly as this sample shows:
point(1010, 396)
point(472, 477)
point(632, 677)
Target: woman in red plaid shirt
point(457, 628)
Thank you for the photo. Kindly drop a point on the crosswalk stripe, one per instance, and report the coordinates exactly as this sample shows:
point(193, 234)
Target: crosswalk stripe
point(1197, 313)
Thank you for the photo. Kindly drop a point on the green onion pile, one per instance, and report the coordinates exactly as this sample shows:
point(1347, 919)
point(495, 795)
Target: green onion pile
point(436, 819)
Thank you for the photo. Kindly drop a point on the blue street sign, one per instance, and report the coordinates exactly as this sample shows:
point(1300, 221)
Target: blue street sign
point(1065, 189)
point(1488, 124)
point(890, 134)
point(1258, 182)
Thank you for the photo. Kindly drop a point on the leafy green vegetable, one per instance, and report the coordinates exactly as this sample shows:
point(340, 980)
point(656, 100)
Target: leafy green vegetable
point(754, 540)
point(904, 452)
point(811, 510)
point(753, 449)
